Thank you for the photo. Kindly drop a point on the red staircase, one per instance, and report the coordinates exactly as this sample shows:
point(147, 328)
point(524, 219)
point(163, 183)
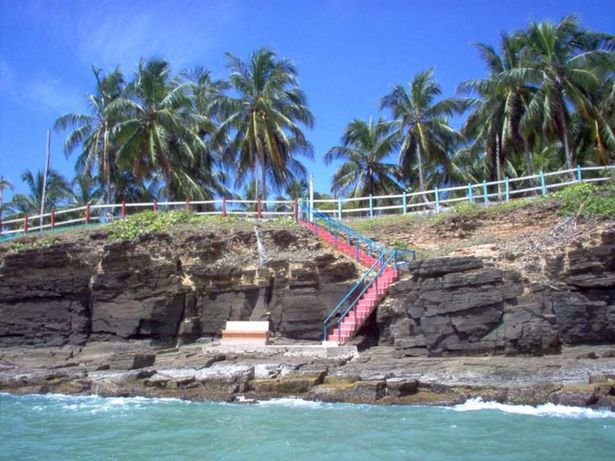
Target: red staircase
point(368, 302)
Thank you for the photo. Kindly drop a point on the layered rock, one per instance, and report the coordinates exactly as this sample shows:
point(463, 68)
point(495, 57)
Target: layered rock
point(168, 289)
point(458, 305)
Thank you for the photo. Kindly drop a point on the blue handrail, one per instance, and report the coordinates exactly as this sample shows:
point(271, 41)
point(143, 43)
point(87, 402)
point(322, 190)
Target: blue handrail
point(385, 257)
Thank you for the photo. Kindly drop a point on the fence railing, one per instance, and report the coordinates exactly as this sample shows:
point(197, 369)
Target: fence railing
point(434, 200)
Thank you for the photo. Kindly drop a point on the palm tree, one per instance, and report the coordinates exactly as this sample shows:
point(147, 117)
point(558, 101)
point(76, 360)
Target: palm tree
point(495, 122)
point(58, 190)
point(5, 184)
point(85, 190)
point(263, 122)
point(421, 122)
point(159, 130)
point(92, 132)
point(563, 61)
point(365, 146)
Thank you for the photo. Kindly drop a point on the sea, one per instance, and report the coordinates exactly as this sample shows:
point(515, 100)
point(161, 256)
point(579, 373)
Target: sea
point(59, 427)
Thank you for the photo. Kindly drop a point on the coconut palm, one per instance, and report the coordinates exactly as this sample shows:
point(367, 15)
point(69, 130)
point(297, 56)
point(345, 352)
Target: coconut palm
point(92, 132)
point(364, 171)
point(263, 122)
point(5, 184)
point(158, 131)
point(422, 123)
point(564, 62)
point(495, 122)
point(58, 191)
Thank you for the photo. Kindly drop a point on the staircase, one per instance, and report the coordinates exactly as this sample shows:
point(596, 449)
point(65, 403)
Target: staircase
point(365, 295)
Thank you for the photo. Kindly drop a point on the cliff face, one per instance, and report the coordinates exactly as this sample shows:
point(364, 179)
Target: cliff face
point(468, 305)
point(176, 288)
point(167, 288)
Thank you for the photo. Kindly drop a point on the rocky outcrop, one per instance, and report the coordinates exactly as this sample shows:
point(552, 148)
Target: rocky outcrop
point(168, 289)
point(460, 306)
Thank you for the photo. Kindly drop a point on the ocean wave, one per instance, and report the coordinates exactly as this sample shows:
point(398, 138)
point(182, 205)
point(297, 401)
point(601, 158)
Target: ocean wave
point(292, 402)
point(545, 410)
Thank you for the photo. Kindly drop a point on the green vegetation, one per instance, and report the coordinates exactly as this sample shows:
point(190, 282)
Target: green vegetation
point(586, 199)
point(547, 101)
point(151, 222)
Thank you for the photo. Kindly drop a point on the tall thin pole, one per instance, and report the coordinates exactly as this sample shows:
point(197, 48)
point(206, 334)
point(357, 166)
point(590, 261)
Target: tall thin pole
point(45, 178)
point(311, 198)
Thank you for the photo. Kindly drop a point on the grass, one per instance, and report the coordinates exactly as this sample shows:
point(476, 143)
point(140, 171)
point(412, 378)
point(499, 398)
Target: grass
point(586, 199)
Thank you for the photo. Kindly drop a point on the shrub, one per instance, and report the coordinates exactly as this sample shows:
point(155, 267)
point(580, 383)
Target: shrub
point(587, 199)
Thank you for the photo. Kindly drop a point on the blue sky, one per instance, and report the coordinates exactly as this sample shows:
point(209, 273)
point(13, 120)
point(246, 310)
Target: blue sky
point(349, 53)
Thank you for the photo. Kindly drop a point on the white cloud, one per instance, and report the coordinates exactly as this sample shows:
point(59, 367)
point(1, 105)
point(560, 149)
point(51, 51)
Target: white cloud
point(52, 94)
point(181, 32)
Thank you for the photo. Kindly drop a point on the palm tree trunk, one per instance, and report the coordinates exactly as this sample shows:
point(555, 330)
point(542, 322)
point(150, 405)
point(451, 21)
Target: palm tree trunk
point(256, 194)
point(528, 155)
point(498, 164)
point(564, 128)
point(264, 184)
point(419, 161)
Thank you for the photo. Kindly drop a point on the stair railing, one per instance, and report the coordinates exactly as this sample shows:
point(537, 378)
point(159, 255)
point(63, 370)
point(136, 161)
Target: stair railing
point(352, 297)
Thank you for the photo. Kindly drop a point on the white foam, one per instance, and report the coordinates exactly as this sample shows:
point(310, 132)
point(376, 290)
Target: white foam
point(548, 409)
point(292, 403)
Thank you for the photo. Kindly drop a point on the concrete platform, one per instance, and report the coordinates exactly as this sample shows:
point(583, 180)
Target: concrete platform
point(327, 350)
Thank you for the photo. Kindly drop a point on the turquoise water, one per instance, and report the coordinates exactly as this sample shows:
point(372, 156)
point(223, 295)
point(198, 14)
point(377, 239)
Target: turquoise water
point(55, 427)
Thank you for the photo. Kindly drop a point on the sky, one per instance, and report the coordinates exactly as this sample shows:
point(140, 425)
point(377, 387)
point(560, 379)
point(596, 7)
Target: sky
point(348, 54)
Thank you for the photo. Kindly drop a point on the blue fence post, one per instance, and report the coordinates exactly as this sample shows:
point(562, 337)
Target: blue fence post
point(485, 198)
point(470, 193)
point(507, 189)
point(579, 177)
point(437, 200)
point(405, 203)
point(543, 187)
point(371, 206)
point(339, 208)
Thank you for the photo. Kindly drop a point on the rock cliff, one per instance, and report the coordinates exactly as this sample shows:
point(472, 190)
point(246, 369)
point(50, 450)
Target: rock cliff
point(167, 288)
point(468, 305)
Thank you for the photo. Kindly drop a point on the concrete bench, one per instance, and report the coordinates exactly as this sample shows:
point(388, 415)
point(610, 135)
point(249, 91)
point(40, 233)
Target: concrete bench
point(246, 332)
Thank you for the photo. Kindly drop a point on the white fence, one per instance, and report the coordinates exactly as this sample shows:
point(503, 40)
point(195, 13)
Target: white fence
point(436, 200)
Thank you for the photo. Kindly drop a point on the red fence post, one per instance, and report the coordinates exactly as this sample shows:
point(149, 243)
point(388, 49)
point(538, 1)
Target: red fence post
point(87, 213)
point(155, 205)
point(25, 224)
point(123, 208)
point(296, 210)
point(224, 206)
point(53, 219)
point(258, 207)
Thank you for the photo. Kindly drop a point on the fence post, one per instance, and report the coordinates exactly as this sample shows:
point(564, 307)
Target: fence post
point(405, 203)
point(543, 187)
point(224, 206)
point(296, 211)
point(470, 197)
point(53, 219)
point(371, 206)
point(187, 204)
point(123, 208)
point(437, 200)
point(485, 198)
point(155, 205)
point(25, 224)
point(87, 213)
point(579, 177)
point(258, 207)
point(507, 189)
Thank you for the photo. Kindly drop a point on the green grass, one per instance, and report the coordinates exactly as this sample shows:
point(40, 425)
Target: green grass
point(586, 199)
